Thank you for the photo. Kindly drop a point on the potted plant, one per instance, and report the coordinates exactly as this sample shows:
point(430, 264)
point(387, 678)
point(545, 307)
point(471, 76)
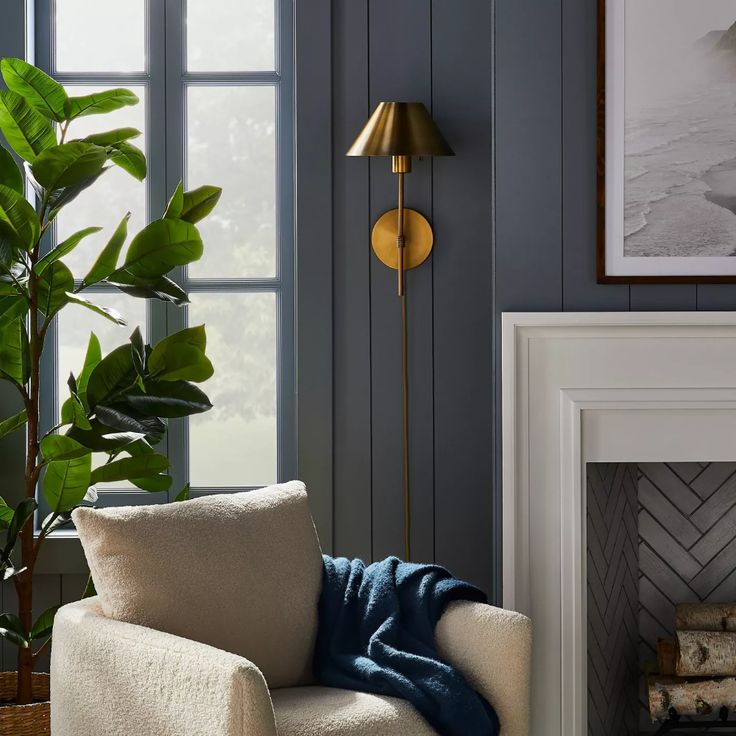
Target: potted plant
point(118, 404)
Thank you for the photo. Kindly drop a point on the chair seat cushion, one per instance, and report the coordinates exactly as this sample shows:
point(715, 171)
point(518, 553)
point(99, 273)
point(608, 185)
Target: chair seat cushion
point(327, 711)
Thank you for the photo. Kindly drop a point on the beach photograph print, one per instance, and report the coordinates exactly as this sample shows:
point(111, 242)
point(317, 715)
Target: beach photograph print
point(669, 139)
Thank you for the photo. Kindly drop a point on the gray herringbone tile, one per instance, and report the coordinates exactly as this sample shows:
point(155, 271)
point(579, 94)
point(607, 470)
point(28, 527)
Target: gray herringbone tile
point(674, 568)
point(613, 594)
point(677, 490)
point(712, 477)
point(658, 534)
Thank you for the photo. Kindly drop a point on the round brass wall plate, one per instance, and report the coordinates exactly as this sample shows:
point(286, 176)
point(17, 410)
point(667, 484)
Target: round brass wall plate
point(417, 233)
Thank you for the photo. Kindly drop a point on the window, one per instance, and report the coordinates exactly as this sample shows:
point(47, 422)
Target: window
point(215, 82)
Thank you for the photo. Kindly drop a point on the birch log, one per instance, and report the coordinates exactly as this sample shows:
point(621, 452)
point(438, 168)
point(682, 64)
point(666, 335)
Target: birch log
point(705, 616)
point(699, 698)
point(706, 653)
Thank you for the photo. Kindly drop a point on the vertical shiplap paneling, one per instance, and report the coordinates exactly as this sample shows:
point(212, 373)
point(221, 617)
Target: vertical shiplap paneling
point(581, 292)
point(314, 431)
point(400, 69)
point(463, 302)
point(351, 311)
point(10, 605)
point(528, 181)
point(662, 297)
point(46, 594)
point(717, 297)
point(72, 587)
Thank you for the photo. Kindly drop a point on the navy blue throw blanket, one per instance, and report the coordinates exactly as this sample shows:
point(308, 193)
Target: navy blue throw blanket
point(376, 635)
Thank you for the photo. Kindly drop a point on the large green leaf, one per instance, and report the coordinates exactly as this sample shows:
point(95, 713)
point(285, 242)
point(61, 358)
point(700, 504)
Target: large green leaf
point(61, 447)
point(99, 102)
point(13, 423)
point(161, 287)
point(107, 312)
point(10, 175)
point(64, 248)
point(68, 165)
point(130, 467)
point(27, 132)
point(111, 137)
point(62, 197)
point(114, 374)
point(44, 93)
point(181, 357)
point(107, 261)
point(138, 351)
point(169, 399)
point(124, 419)
point(23, 512)
point(54, 288)
point(100, 439)
point(176, 204)
point(12, 307)
point(153, 483)
point(159, 247)
point(65, 482)
point(129, 158)
point(198, 203)
point(92, 357)
point(44, 624)
point(183, 494)
point(11, 629)
point(73, 412)
point(19, 218)
point(15, 360)
point(6, 514)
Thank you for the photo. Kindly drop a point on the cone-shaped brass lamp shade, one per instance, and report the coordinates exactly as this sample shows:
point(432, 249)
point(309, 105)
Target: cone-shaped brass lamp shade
point(400, 129)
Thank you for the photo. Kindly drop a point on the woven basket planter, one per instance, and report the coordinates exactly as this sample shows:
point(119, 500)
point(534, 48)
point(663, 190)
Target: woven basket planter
point(25, 720)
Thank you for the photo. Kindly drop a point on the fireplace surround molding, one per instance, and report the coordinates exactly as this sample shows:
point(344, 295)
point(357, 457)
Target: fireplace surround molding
point(594, 387)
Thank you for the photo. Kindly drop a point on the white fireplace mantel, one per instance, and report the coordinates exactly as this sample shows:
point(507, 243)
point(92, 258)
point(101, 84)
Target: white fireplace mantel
point(594, 387)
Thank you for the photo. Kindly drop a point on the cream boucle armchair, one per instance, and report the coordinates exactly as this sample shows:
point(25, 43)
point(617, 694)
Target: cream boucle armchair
point(166, 650)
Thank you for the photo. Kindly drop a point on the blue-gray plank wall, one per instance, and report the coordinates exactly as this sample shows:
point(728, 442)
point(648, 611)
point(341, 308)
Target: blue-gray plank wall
point(512, 85)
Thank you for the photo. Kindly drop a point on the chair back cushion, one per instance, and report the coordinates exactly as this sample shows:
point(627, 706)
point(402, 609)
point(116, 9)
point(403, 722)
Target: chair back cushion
point(241, 572)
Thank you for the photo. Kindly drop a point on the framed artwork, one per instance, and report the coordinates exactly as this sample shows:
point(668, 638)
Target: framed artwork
point(667, 141)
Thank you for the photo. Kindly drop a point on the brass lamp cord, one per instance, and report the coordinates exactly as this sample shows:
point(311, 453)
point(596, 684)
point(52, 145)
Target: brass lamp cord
point(401, 245)
point(405, 382)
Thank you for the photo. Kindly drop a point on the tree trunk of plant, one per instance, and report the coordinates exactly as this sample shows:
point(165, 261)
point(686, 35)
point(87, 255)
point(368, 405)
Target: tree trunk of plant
point(24, 581)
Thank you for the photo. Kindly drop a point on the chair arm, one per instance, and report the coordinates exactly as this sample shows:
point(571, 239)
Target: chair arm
point(492, 648)
point(118, 679)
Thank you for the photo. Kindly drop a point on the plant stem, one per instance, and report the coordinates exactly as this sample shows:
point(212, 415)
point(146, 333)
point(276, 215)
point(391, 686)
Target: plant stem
point(29, 551)
point(41, 649)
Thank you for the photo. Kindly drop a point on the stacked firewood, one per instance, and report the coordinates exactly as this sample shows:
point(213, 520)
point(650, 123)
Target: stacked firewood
point(697, 669)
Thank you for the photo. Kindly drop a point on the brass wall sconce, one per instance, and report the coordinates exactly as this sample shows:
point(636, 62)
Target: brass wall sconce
point(402, 238)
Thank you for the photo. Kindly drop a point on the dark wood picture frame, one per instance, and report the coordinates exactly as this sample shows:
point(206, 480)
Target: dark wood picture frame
point(602, 276)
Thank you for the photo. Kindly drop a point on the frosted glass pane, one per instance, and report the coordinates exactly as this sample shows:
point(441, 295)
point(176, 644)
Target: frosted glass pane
point(111, 196)
point(231, 143)
point(230, 35)
point(75, 323)
point(100, 36)
point(234, 444)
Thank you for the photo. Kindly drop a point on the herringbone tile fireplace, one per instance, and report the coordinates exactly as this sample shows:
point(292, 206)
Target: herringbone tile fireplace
point(658, 534)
